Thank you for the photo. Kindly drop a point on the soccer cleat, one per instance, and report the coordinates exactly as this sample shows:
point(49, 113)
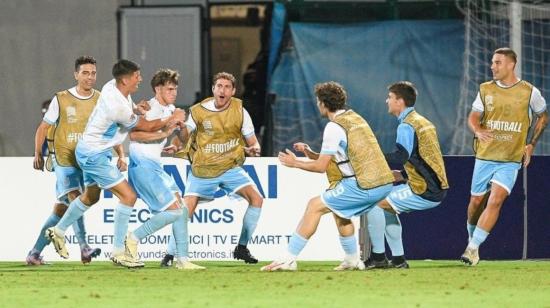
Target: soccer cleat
point(131, 246)
point(167, 261)
point(35, 259)
point(126, 260)
point(58, 242)
point(242, 253)
point(470, 256)
point(371, 264)
point(402, 265)
point(186, 265)
point(284, 265)
point(347, 265)
point(87, 253)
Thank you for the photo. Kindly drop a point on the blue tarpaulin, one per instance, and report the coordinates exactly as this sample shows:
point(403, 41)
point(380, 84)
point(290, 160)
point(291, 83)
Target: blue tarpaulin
point(365, 58)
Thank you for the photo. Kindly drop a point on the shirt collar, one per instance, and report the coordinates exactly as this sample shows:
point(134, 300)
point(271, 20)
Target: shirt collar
point(404, 113)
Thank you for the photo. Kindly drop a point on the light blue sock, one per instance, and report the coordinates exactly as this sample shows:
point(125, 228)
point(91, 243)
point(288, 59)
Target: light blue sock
point(478, 238)
point(393, 234)
point(471, 229)
point(122, 216)
point(349, 244)
point(181, 236)
point(41, 241)
point(80, 232)
point(296, 244)
point(75, 211)
point(172, 242)
point(157, 222)
point(250, 221)
point(377, 226)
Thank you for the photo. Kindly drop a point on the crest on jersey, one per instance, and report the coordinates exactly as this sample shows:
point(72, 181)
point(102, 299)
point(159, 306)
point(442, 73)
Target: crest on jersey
point(489, 103)
point(71, 114)
point(207, 125)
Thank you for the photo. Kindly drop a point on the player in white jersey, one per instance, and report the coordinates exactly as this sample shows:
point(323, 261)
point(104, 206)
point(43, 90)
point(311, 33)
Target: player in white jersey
point(111, 121)
point(500, 120)
point(69, 178)
point(359, 176)
point(155, 187)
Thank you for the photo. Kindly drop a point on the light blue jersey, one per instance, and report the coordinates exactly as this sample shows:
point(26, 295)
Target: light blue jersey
point(108, 126)
point(156, 188)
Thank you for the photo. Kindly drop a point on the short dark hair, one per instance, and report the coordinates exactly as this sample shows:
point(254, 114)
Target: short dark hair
point(124, 67)
point(83, 60)
point(332, 95)
point(404, 90)
point(226, 76)
point(507, 52)
point(164, 76)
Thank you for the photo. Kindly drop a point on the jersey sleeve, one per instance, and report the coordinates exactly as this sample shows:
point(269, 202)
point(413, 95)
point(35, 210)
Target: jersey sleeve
point(405, 137)
point(477, 105)
point(248, 127)
point(332, 137)
point(537, 102)
point(190, 123)
point(124, 116)
point(52, 114)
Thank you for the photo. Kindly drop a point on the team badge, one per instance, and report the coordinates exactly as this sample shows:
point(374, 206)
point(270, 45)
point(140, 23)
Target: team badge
point(489, 103)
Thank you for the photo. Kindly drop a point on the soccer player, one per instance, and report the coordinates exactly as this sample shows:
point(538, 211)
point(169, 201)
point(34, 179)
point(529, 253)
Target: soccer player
point(156, 188)
point(63, 123)
point(111, 120)
point(500, 120)
point(216, 128)
point(356, 168)
point(417, 148)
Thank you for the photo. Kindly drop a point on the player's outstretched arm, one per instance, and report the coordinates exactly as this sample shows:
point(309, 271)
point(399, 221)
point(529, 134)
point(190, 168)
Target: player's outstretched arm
point(177, 117)
point(319, 165)
point(253, 146)
point(39, 138)
point(304, 148)
point(142, 136)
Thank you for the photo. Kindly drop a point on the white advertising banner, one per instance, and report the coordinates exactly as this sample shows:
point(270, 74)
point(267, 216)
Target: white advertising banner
point(28, 196)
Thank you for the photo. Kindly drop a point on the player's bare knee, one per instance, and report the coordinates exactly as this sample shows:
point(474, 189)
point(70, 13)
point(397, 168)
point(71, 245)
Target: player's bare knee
point(256, 200)
point(59, 209)
point(475, 201)
point(129, 198)
point(73, 195)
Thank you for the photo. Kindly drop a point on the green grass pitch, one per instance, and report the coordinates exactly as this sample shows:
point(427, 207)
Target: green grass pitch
point(315, 284)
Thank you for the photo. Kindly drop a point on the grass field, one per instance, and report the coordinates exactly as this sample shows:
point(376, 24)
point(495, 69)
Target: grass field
point(232, 284)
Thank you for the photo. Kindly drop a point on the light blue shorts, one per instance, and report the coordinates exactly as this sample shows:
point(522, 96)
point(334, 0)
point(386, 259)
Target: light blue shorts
point(67, 180)
point(403, 200)
point(154, 186)
point(230, 181)
point(488, 172)
point(97, 169)
point(347, 199)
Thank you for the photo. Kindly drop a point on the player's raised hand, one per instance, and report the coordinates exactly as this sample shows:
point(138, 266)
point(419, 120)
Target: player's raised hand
point(253, 150)
point(179, 115)
point(484, 135)
point(171, 149)
point(170, 127)
point(527, 152)
point(301, 147)
point(38, 162)
point(287, 158)
point(142, 107)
